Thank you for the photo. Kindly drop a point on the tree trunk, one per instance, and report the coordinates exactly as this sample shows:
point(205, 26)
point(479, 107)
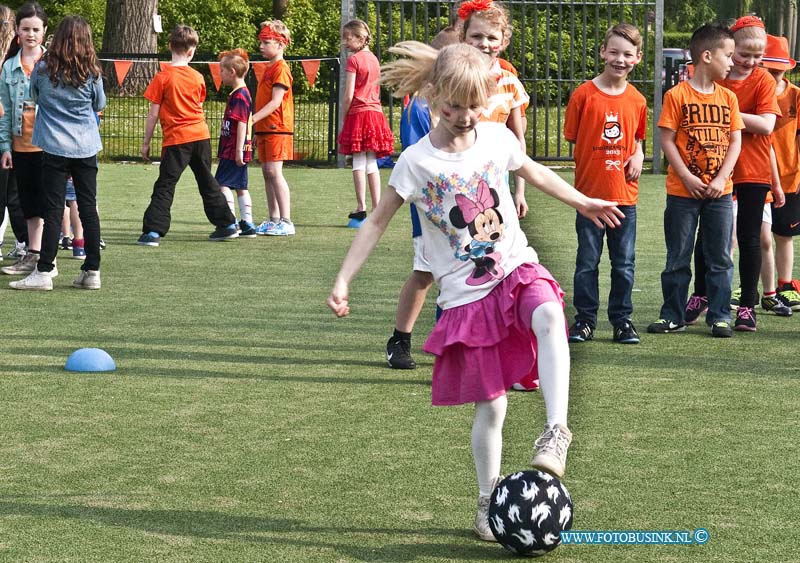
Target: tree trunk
point(279, 8)
point(128, 31)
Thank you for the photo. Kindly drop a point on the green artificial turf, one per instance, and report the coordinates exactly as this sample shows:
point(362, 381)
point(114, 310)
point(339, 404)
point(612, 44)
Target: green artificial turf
point(245, 423)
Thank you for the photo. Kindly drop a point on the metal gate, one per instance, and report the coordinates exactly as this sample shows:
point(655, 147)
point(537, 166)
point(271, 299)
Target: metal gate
point(554, 46)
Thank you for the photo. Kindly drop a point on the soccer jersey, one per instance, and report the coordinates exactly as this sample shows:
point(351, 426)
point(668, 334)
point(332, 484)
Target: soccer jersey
point(605, 129)
point(703, 124)
point(471, 234)
point(280, 121)
point(756, 95)
point(180, 91)
point(784, 138)
point(236, 111)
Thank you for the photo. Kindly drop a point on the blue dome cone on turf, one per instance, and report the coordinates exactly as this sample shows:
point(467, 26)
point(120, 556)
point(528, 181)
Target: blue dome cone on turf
point(90, 359)
point(355, 223)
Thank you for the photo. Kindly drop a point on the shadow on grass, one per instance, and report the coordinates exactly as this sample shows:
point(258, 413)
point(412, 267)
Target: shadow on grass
point(422, 542)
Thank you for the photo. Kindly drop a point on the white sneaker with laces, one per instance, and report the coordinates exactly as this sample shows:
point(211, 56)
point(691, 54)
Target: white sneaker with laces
point(550, 453)
point(482, 529)
point(25, 265)
point(88, 279)
point(36, 281)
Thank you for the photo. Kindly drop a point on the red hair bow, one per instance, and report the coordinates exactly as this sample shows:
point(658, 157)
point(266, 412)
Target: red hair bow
point(467, 8)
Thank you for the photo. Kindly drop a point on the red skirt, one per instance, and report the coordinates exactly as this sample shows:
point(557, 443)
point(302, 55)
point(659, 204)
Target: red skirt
point(366, 131)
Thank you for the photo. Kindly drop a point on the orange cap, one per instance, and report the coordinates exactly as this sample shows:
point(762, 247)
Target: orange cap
point(776, 55)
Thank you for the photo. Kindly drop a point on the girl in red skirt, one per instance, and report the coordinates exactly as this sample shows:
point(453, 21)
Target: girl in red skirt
point(365, 133)
point(503, 313)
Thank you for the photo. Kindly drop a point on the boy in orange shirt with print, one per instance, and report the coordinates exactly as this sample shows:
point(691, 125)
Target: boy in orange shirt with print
point(176, 96)
point(274, 127)
point(606, 119)
point(700, 128)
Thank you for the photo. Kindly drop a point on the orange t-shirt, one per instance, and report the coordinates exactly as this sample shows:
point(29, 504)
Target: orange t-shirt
point(505, 65)
point(509, 94)
point(605, 129)
point(756, 95)
point(282, 119)
point(784, 138)
point(180, 91)
point(703, 124)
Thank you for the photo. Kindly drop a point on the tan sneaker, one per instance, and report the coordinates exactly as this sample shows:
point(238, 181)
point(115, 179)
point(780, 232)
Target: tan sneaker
point(550, 452)
point(24, 265)
point(88, 279)
point(482, 529)
point(36, 280)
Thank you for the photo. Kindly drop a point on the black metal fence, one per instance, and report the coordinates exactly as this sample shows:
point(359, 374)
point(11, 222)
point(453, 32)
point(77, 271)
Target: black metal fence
point(316, 109)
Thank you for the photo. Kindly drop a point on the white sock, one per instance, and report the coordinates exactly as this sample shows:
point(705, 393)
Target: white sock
point(246, 206)
point(487, 441)
point(226, 192)
point(548, 324)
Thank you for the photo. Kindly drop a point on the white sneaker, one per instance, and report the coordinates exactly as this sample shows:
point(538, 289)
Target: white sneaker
point(24, 265)
point(18, 251)
point(88, 279)
point(550, 452)
point(36, 281)
point(482, 529)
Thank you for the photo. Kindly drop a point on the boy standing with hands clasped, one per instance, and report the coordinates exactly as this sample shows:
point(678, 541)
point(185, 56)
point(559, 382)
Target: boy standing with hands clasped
point(176, 96)
point(700, 128)
point(606, 119)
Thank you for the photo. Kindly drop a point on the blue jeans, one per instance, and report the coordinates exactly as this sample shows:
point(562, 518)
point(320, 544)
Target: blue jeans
point(681, 218)
point(622, 254)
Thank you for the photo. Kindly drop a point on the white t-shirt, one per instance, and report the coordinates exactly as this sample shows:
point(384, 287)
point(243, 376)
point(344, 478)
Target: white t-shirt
point(471, 233)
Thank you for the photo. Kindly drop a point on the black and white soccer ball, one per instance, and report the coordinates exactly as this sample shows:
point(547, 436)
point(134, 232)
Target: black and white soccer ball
point(528, 511)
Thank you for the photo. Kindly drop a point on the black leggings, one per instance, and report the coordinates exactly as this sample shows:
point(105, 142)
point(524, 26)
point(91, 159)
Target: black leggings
point(9, 198)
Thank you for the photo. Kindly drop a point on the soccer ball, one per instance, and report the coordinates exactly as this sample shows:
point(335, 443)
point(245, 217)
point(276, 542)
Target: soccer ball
point(528, 511)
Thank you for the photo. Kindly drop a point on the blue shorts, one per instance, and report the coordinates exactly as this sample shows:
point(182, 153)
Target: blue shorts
point(70, 191)
point(230, 175)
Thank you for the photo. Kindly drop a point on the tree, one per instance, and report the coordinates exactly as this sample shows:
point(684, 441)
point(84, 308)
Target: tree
point(129, 29)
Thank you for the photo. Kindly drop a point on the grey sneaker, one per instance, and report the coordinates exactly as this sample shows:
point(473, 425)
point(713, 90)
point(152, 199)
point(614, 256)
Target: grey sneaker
point(482, 529)
point(18, 251)
point(24, 265)
point(36, 281)
point(88, 279)
point(550, 453)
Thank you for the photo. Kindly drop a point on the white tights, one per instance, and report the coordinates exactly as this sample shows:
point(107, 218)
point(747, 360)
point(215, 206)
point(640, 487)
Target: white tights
point(547, 323)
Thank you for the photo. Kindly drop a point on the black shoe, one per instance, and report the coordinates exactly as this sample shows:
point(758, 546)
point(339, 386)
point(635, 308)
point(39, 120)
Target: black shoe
point(721, 329)
point(66, 243)
point(223, 233)
point(581, 332)
point(398, 354)
point(663, 326)
point(625, 333)
point(358, 215)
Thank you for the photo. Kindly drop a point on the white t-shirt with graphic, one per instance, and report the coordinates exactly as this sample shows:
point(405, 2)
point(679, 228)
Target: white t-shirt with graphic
point(471, 234)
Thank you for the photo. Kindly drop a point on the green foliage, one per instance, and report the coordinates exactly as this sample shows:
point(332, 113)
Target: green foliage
point(222, 24)
point(677, 39)
point(93, 10)
point(680, 15)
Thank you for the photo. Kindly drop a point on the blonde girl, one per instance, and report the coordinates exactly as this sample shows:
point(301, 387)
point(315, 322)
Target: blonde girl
point(503, 312)
point(365, 132)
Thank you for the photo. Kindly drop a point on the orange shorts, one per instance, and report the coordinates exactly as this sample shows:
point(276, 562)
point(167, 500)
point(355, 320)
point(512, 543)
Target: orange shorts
point(275, 148)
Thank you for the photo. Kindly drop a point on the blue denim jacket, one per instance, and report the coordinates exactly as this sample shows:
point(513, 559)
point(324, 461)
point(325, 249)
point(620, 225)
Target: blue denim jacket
point(66, 116)
point(14, 91)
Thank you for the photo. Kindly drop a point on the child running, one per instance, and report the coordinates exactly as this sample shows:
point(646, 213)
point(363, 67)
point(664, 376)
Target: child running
point(274, 127)
point(365, 131)
point(700, 128)
point(176, 96)
point(235, 150)
point(502, 312)
point(68, 88)
point(606, 119)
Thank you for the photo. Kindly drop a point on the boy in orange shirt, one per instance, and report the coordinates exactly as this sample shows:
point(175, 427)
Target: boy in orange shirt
point(274, 127)
point(700, 128)
point(606, 119)
point(785, 143)
point(176, 96)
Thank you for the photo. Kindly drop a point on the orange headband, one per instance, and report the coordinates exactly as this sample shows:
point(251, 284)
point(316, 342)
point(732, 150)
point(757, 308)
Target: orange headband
point(268, 33)
point(470, 6)
point(747, 21)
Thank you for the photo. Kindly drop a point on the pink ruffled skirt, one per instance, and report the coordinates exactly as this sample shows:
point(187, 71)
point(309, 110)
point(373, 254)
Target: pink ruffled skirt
point(485, 347)
point(366, 131)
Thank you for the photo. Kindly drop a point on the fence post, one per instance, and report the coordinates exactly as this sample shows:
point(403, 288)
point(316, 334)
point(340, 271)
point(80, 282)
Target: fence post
point(348, 13)
point(657, 87)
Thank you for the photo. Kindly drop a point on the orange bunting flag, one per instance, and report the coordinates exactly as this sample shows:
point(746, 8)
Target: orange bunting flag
point(311, 67)
point(259, 68)
point(122, 68)
point(215, 74)
point(163, 65)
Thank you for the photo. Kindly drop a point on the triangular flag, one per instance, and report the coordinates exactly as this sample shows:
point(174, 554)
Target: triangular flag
point(122, 68)
point(259, 68)
point(215, 74)
point(311, 67)
point(163, 65)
